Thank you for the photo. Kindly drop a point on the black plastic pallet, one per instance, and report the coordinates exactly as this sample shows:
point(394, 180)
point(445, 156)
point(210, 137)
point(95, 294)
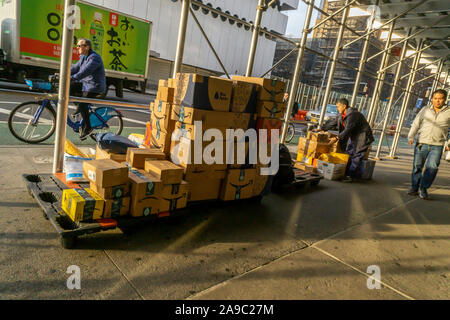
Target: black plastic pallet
point(305, 179)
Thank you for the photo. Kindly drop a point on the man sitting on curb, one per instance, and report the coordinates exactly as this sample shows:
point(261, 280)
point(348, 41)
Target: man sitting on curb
point(432, 124)
point(355, 135)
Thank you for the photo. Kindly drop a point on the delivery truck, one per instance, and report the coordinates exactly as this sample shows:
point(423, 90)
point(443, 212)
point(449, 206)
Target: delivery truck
point(31, 38)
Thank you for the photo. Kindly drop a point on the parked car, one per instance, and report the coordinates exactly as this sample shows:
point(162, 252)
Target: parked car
point(314, 115)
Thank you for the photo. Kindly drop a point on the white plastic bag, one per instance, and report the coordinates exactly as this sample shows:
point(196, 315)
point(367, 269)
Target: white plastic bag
point(73, 168)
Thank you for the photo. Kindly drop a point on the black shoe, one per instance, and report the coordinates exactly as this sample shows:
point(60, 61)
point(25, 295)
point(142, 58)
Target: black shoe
point(423, 194)
point(413, 192)
point(85, 133)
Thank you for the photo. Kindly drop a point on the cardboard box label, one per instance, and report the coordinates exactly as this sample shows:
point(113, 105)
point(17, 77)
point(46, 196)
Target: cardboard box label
point(92, 176)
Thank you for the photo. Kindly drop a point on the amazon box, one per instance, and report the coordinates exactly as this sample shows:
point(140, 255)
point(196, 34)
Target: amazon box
point(164, 123)
point(271, 110)
point(165, 170)
point(269, 125)
point(144, 185)
point(113, 192)
point(160, 108)
point(191, 131)
point(144, 207)
point(171, 191)
point(172, 83)
point(305, 167)
point(160, 141)
point(310, 149)
point(212, 119)
point(173, 203)
point(270, 90)
point(103, 154)
point(260, 183)
point(238, 184)
point(163, 83)
point(116, 208)
point(136, 156)
point(321, 137)
point(165, 94)
point(243, 98)
point(105, 173)
point(204, 187)
point(202, 92)
point(82, 204)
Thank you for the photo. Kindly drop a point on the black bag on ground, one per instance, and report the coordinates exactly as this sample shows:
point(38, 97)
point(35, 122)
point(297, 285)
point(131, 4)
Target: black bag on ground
point(285, 174)
point(114, 143)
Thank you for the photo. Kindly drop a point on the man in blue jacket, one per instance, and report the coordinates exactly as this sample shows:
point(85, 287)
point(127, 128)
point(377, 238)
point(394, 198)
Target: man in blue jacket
point(89, 73)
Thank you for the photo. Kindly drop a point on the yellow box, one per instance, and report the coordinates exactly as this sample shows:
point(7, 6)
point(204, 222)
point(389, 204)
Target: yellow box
point(82, 204)
point(334, 157)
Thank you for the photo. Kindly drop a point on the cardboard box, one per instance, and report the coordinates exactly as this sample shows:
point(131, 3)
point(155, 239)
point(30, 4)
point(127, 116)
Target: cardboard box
point(201, 92)
point(305, 167)
point(271, 90)
point(136, 156)
point(164, 123)
point(183, 153)
point(172, 83)
point(212, 119)
point(173, 203)
point(160, 141)
point(116, 208)
point(322, 137)
point(270, 109)
point(331, 171)
point(243, 97)
point(144, 185)
point(192, 131)
point(105, 173)
point(204, 188)
point(238, 184)
point(82, 204)
point(367, 169)
point(113, 192)
point(163, 83)
point(160, 108)
point(144, 207)
point(165, 170)
point(310, 149)
point(103, 154)
point(269, 125)
point(260, 182)
point(171, 191)
point(165, 94)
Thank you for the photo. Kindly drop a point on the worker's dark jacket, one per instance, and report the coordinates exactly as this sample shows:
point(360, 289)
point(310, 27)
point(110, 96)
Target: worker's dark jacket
point(354, 126)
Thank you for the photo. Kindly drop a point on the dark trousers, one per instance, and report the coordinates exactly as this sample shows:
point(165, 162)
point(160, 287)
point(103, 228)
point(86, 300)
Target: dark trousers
point(354, 162)
point(430, 157)
point(83, 108)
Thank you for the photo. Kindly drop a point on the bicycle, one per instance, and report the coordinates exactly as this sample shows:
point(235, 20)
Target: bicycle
point(40, 116)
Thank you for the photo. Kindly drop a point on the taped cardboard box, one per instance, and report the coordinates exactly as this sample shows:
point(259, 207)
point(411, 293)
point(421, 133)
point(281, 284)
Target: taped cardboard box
point(204, 187)
point(271, 90)
point(213, 119)
point(238, 184)
point(195, 131)
point(331, 171)
point(144, 185)
point(305, 167)
point(310, 149)
point(172, 83)
point(116, 208)
point(321, 137)
point(165, 94)
point(113, 192)
point(185, 154)
point(160, 108)
point(164, 123)
point(165, 170)
point(103, 154)
point(269, 125)
point(105, 173)
point(163, 83)
point(173, 203)
point(82, 204)
point(171, 191)
point(270, 109)
point(243, 97)
point(136, 156)
point(144, 207)
point(202, 92)
point(161, 141)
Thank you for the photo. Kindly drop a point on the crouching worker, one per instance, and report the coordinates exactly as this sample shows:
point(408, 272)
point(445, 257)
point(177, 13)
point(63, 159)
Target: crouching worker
point(355, 136)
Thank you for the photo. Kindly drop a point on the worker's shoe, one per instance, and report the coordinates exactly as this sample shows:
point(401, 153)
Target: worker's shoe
point(85, 132)
point(423, 194)
point(413, 192)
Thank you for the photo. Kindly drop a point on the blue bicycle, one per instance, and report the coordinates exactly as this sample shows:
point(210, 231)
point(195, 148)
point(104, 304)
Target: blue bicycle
point(35, 121)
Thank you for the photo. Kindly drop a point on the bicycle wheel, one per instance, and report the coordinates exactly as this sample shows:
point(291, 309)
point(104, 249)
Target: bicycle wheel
point(21, 118)
point(115, 125)
point(290, 133)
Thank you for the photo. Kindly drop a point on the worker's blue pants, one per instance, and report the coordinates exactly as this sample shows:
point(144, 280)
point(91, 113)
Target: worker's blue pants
point(430, 156)
point(354, 162)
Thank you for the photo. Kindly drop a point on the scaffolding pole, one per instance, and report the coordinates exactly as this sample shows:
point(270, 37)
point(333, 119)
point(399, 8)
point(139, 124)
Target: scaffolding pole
point(362, 61)
point(64, 88)
point(333, 63)
point(401, 117)
point(297, 70)
point(251, 56)
point(391, 99)
point(380, 80)
point(181, 37)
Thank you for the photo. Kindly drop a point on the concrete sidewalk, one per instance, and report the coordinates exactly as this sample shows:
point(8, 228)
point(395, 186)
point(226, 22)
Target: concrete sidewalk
point(305, 244)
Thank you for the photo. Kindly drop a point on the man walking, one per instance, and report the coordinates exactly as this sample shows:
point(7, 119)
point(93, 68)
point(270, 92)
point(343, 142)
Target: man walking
point(355, 135)
point(431, 124)
point(89, 73)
